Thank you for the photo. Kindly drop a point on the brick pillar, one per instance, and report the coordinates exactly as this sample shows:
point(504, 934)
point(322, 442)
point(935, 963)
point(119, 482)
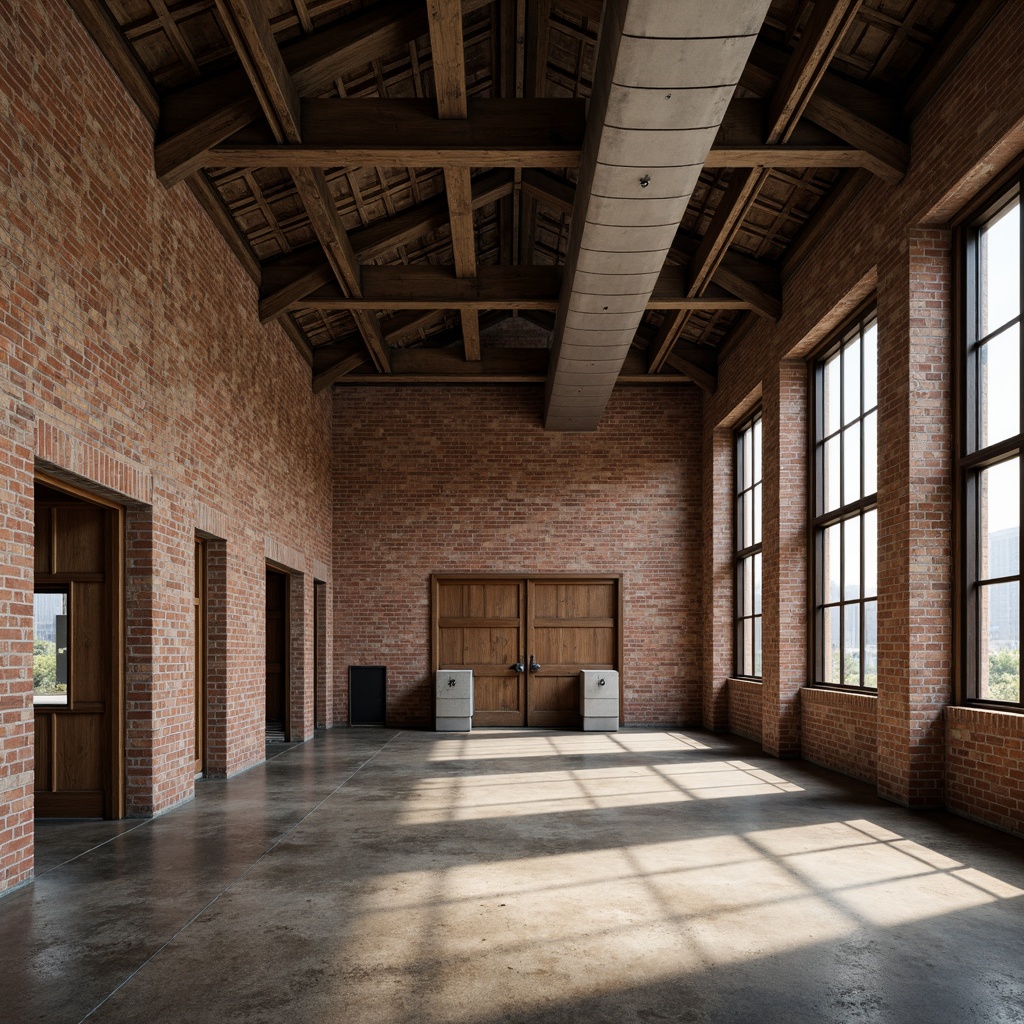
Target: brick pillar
point(718, 578)
point(17, 719)
point(325, 692)
point(139, 684)
point(914, 516)
point(216, 659)
point(784, 555)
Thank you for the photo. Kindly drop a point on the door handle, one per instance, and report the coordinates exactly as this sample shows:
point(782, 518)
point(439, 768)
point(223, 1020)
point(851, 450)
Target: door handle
point(534, 667)
point(518, 667)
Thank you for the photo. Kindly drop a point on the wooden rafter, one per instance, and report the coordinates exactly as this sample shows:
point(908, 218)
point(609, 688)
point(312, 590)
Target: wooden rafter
point(250, 31)
point(448, 53)
point(792, 96)
point(290, 278)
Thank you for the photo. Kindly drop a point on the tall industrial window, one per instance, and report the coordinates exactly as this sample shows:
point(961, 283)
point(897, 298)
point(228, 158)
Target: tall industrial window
point(845, 510)
point(990, 456)
point(748, 548)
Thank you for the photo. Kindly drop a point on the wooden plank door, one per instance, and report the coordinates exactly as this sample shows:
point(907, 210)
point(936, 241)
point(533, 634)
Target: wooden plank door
point(572, 625)
point(277, 654)
point(479, 625)
point(76, 677)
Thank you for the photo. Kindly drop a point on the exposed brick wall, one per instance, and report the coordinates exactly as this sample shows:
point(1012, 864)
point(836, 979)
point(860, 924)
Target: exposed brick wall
point(134, 363)
point(985, 766)
point(466, 480)
point(839, 731)
point(892, 241)
point(914, 514)
point(744, 697)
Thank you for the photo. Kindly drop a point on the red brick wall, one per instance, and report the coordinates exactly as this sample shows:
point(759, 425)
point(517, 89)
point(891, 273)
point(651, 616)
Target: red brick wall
point(985, 766)
point(745, 708)
point(893, 242)
point(466, 480)
point(133, 362)
point(840, 731)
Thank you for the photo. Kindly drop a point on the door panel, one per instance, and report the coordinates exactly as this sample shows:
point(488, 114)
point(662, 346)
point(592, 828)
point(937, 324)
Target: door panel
point(479, 626)
point(568, 631)
point(567, 625)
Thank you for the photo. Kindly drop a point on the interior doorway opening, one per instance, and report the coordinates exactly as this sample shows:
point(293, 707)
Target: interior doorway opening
point(278, 645)
point(78, 654)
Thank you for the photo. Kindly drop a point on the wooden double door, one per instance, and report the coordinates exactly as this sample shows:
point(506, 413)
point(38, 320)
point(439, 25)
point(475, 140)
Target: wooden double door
point(526, 640)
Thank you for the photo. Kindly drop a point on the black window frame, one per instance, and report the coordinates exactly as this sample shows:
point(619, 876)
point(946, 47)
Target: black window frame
point(846, 512)
point(750, 552)
point(973, 457)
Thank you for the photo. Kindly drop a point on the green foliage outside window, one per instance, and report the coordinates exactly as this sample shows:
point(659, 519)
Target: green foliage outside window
point(1004, 674)
point(44, 668)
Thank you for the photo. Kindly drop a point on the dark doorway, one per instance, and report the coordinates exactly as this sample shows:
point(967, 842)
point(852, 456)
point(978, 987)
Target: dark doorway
point(277, 655)
point(319, 609)
point(367, 694)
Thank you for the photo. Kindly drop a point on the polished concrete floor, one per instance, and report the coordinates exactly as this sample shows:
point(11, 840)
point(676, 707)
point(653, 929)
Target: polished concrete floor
point(520, 876)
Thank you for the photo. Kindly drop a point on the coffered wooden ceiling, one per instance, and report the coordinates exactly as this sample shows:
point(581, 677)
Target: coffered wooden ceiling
point(400, 176)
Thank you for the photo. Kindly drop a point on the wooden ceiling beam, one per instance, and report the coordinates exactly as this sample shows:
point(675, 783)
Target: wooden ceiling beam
point(429, 286)
point(447, 51)
point(516, 133)
point(496, 366)
point(197, 117)
point(293, 276)
point(802, 74)
point(408, 133)
point(864, 120)
point(791, 96)
point(249, 28)
point(698, 362)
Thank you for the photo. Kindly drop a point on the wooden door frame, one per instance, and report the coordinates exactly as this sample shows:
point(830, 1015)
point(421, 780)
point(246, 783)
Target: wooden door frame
point(436, 579)
point(115, 767)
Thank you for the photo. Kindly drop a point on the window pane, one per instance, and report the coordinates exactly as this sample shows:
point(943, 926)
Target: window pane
point(851, 463)
point(871, 644)
point(851, 380)
point(871, 453)
point(999, 520)
point(757, 584)
point(999, 642)
point(757, 450)
point(748, 460)
point(999, 387)
point(871, 367)
point(830, 570)
point(1000, 270)
point(747, 608)
point(831, 473)
point(748, 520)
point(851, 564)
point(757, 514)
point(757, 646)
point(830, 396)
point(851, 642)
point(50, 649)
point(870, 553)
point(830, 645)
point(747, 659)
